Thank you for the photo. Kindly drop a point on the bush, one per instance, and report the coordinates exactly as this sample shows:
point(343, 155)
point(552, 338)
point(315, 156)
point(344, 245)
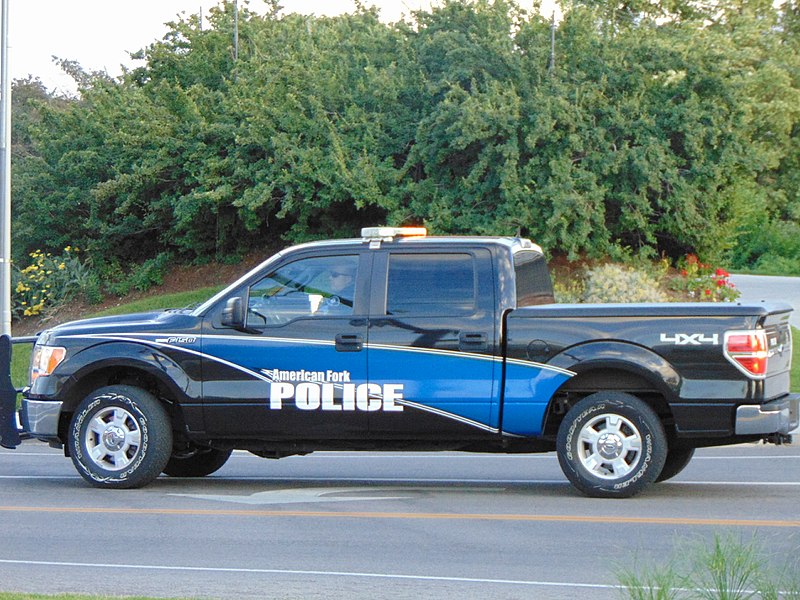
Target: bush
point(610, 283)
point(704, 283)
point(768, 247)
point(47, 282)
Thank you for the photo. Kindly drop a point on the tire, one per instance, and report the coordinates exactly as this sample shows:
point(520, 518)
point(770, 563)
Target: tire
point(120, 437)
point(201, 462)
point(611, 445)
point(676, 462)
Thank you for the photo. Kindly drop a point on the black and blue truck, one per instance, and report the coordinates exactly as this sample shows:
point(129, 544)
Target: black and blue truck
point(401, 341)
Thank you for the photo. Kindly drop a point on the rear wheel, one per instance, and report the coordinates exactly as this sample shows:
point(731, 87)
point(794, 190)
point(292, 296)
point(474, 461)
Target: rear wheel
point(198, 463)
point(677, 459)
point(120, 437)
point(611, 445)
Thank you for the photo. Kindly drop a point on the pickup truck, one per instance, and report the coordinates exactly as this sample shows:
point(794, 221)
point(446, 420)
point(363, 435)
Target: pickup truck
point(401, 341)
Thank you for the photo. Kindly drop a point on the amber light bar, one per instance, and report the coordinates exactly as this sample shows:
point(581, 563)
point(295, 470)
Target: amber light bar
point(392, 232)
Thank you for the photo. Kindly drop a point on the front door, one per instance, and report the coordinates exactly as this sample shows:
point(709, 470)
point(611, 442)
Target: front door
point(299, 370)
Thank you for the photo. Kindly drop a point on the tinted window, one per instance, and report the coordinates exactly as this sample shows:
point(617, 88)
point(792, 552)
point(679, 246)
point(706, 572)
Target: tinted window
point(431, 284)
point(319, 286)
point(534, 285)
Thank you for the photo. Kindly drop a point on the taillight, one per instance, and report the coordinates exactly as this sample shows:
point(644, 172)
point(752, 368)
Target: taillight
point(747, 350)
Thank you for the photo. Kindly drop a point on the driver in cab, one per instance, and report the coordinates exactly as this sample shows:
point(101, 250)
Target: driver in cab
point(340, 290)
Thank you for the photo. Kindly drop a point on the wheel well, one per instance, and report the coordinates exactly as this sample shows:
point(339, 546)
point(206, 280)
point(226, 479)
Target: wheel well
point(117, 375)
point(606, 380)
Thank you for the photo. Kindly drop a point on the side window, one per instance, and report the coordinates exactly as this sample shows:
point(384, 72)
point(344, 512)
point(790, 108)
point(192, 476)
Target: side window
point(534, 286)
point(431, 284)
point(309, 287)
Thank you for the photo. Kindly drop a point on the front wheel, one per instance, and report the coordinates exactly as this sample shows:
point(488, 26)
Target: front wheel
point(677, 460)
point(120, 437)
point(611, 445)
point(198, 463)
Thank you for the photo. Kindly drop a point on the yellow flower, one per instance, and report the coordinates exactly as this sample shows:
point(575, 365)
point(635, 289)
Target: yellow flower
point(68, 248)
point(62, 266)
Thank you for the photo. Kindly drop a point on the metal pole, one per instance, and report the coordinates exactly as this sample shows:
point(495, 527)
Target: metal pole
point(5, 176)
point(235, 30)
point(551, 67)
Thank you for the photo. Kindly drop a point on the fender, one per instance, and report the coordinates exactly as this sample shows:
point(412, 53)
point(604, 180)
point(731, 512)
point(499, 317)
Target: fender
point(621, 356)
point(69, 383)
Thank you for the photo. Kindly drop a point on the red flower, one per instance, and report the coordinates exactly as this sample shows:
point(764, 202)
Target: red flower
point(691, 259)
point(722, 273)
point(708, 292)
point(684, 273)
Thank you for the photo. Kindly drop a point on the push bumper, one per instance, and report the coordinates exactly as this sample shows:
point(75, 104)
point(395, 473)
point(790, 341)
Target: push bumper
point(778, 416)
point(40, 418)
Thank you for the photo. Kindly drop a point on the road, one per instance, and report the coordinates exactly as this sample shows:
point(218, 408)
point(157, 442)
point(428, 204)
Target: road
point(756, 288)
point(367, 525)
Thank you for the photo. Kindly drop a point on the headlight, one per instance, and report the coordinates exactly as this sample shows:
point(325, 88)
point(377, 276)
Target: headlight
point(45, 359)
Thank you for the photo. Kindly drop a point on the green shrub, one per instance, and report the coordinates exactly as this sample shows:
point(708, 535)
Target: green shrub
point(768, 247)
point(609, 283)
point(48, 281)
point(151, 272)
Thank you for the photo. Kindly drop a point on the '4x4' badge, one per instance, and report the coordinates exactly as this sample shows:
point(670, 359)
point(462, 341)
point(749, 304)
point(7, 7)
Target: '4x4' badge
point(689, 339)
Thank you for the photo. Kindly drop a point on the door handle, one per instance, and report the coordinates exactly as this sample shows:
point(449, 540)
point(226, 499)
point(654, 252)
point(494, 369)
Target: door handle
point(349, 342)
point(472, 341)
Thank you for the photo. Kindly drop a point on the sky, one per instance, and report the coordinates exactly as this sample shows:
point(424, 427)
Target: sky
point(99, 34)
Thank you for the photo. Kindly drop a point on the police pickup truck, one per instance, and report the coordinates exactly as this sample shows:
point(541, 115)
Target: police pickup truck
point(400, 341)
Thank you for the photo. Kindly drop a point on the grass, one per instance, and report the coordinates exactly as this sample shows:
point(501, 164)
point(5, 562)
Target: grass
point(727, 568)
point(152, 303)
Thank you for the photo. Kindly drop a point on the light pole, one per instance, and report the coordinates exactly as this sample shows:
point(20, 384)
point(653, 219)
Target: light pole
point(5, 176)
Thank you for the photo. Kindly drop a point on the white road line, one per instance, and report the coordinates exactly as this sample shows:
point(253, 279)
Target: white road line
point(237, 570)
point(413, 480)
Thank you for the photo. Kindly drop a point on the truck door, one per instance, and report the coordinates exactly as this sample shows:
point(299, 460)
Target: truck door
point(433, 348)
point(295, 372)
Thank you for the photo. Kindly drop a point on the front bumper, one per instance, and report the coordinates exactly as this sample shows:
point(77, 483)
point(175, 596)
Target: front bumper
point(778, 416)
point(40, 418)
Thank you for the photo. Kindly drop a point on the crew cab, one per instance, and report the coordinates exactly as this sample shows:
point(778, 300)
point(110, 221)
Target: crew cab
point(401, 341)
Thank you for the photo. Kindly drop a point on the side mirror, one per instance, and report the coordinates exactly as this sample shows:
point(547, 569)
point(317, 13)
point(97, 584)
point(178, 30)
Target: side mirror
point(233, 313)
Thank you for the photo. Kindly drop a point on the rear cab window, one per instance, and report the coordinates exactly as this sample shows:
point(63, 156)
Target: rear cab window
point(533, 284)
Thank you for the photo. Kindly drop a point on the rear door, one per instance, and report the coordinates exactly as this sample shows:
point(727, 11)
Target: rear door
point(433, 347)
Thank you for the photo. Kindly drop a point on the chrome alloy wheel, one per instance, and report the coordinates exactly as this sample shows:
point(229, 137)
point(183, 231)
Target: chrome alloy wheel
point(113, 438)
point(609, 446)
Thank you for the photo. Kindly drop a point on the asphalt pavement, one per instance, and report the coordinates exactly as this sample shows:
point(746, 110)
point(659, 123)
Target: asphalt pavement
point(765, 288)
point(381, 525)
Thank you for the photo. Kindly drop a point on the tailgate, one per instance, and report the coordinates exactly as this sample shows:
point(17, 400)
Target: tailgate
point(779, 354)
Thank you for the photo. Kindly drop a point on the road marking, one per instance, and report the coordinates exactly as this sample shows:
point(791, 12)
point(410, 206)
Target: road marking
point(407, 480)
point(239, 570)
point(299, 496)
point(596, 519)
